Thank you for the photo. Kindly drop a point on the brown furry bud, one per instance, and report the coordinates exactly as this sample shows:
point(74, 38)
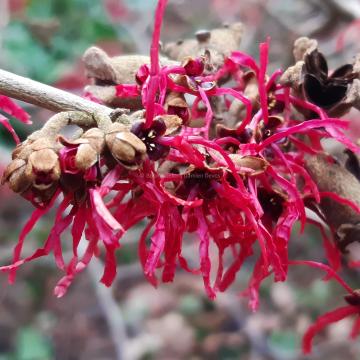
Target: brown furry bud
point(89, 147)
point(96, 138)
point(126, 147)
point(86, 157)
point(35, 164)
point(44, 168)
point(14, 174)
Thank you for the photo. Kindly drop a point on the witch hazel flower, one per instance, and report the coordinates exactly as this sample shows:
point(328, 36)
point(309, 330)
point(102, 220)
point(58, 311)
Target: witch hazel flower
point(83, 210)
point(149, 136)
point(84, 176)
point(90, 168)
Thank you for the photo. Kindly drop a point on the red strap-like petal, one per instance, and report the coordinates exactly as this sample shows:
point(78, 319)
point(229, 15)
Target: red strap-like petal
point(323, 321)
point(10, 107)
point(5, 122)
point(205, 264)
point(36, 215)
point(264, 54)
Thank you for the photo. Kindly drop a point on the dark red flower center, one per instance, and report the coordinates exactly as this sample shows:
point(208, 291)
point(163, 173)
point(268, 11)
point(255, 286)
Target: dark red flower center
point(202, 180)
point(194, 67)
point(149, 136)
point(181, 111)
point(43, 178)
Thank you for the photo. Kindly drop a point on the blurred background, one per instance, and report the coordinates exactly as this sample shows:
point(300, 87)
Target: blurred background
point(44, 40)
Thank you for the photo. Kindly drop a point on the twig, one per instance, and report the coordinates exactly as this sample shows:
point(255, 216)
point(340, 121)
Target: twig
point(45, 96)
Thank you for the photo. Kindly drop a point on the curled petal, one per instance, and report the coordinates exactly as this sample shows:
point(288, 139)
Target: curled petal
point(323, 321)
point(14, 110)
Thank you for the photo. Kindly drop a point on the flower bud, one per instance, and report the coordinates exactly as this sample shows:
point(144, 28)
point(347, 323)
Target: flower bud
point(21, 150)
point(43, 168)
point(86, 157)
point(175, 104)
point(126, 147)
point(14, 174)
point(34, 171)
point(82, 153)
point(96, 139)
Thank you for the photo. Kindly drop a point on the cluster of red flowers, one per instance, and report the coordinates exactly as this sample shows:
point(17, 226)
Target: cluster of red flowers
point(240, 189)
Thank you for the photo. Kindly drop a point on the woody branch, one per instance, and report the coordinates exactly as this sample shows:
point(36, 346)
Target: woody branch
point(45, 96)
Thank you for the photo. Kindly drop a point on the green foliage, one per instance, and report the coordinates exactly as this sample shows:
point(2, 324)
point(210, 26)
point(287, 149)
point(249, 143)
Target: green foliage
point(140, 4)
point(190, 305)
point(314, 296)
point(285, 343)
point(26, 56)
point(32, 345)
point(81, 24)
